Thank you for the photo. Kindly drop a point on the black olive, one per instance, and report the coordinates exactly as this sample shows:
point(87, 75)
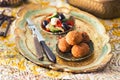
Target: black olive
point(65, 26)
point(44, 23)
point(61, 16)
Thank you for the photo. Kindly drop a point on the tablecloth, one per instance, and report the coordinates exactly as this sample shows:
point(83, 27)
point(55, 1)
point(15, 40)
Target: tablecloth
point(13, 66)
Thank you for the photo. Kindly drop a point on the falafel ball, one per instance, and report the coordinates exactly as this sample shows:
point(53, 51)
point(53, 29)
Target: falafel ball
point(74, 37)
point(80, 50)
point(63, 45)
point(86, 38)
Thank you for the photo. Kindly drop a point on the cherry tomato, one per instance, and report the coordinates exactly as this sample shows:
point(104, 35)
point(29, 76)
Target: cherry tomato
point(59, 23)
point(70, 22)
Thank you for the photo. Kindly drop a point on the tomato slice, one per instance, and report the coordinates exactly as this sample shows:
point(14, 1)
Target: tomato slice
point(59, 23)
point(70, 22)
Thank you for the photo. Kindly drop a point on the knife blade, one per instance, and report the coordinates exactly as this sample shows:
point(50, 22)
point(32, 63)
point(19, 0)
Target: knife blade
point(39, 49)
point(51, 57)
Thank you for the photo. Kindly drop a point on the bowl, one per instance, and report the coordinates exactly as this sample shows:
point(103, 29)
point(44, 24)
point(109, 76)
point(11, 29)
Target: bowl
point(57, 23)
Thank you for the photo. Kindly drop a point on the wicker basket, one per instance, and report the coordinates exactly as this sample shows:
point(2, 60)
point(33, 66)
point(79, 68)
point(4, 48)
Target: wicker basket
point(106, 9)
point(11, 3)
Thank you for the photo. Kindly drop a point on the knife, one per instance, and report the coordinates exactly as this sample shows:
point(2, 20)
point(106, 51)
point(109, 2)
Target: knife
point(45, 48)
point(38, 47)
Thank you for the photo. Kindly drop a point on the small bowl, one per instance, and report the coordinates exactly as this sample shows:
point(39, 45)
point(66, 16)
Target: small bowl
point(56, 33)
point(68, 55)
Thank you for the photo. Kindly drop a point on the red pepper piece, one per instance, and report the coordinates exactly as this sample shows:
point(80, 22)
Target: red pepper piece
point(70, 22)
point(59, 23)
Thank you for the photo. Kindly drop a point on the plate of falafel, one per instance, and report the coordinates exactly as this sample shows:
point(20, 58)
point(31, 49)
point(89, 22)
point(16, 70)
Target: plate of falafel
point(77, 39)
point(75, 46)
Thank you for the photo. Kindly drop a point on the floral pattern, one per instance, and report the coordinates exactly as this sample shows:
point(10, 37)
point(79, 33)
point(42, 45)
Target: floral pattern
point(13, 66)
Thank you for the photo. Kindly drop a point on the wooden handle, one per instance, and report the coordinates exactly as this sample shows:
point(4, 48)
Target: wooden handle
point(39, 49)
point(48, 52)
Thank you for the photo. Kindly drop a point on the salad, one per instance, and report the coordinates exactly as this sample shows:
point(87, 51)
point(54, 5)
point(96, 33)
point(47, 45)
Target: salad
point(58, 22)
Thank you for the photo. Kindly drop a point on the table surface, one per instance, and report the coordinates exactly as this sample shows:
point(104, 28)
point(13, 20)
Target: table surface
point(13, 66)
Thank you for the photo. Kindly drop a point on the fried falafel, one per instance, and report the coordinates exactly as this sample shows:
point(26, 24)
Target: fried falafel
point(63, 45)
point(74, 37)
point(80, 50)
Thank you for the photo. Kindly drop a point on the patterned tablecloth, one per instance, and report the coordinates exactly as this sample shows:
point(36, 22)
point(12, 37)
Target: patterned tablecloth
point(13, 66)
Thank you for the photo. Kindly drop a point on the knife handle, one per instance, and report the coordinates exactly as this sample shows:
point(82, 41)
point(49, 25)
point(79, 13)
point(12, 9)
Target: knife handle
point(39, 49)
point(48, 52)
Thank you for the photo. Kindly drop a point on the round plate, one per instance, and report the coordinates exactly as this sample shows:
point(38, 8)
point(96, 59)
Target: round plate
point(83, 22)
point(68, 55)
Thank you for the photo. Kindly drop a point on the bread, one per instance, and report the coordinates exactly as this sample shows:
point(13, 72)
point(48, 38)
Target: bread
point(106, 9)
point(8, 3)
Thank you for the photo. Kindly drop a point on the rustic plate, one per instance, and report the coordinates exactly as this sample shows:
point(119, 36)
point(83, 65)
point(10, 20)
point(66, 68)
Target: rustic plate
point(83, 22)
